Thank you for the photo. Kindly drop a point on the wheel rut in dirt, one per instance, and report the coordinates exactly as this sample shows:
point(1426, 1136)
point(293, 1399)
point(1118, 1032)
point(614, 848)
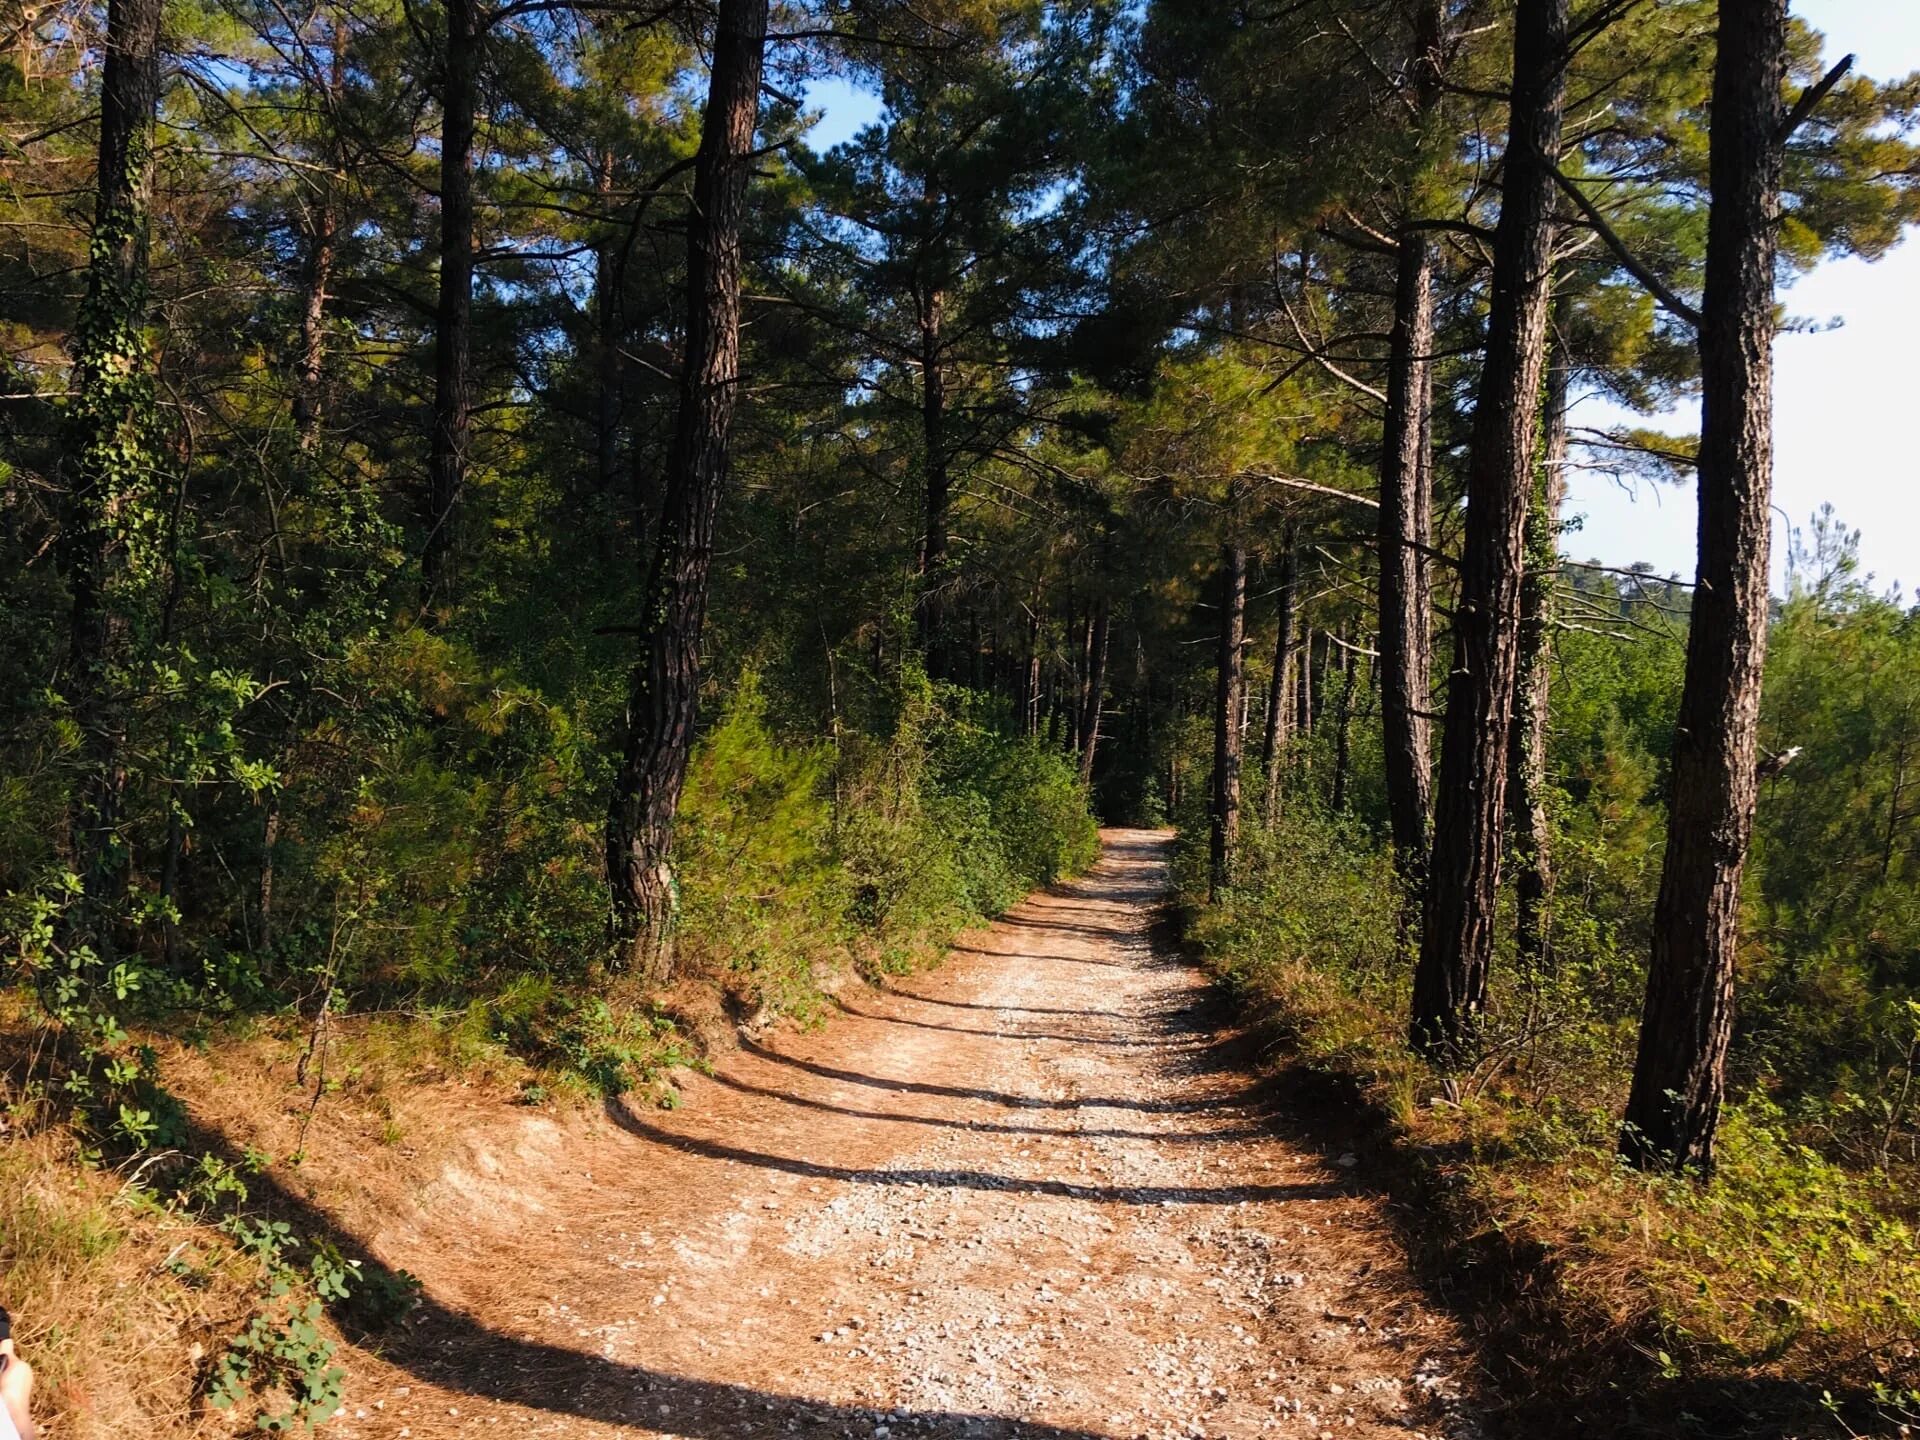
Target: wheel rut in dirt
point(1036, 1192)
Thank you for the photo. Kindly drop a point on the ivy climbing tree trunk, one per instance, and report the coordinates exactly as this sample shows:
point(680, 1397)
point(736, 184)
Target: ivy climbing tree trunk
point(1528, 821)
point(453, 311)
point(663, 692)
point(1406, 526)
point(1680, 1072)
point(323, 230)
point(110, 536)
point(1224, 813)
point(1457, 934)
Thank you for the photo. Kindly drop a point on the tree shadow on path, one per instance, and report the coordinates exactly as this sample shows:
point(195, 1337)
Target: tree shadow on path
point(986, 1127)
point(444, 1346)
point(622, 1115)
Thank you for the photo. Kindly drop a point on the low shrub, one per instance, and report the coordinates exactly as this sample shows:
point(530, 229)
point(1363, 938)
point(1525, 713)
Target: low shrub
point(1786, 1264)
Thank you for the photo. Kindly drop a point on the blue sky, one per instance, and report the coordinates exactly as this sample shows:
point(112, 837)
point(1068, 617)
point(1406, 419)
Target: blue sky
point(1841, 428)
point(1842, 431)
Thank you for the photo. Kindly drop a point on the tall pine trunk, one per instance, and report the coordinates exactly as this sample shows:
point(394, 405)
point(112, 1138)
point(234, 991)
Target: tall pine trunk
point(453, 311)
point(1530, 826)
point(1349, 672)
point(1406, 527)
point(664, 690)
point(1303, 692)
point(1030, 677)
point(323, 228)
point(309, 396)
point(1224, 815)
point(1679, 1076)
point(1096, 688)
point(933, 436)
point(1406, 592)
point(1273, 741)
point(110, 561)
point(1456, 942)
point(609, 371)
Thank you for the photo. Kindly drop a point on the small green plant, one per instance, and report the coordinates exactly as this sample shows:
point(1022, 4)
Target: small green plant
point(282, 1352)
point(286, 1351)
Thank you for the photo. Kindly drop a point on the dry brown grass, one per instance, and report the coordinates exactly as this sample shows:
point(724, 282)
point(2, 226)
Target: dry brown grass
point(115, 1301)
point(121, 1298)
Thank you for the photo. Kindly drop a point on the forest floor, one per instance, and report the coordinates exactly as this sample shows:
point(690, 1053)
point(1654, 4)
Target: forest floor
point(1040, 1192)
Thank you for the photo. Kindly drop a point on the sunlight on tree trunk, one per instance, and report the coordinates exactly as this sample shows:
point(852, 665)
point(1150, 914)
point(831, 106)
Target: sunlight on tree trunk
point(1680, 1075)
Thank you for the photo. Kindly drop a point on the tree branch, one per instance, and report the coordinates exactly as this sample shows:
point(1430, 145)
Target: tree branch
point(1809, 98)
point(1631, 263)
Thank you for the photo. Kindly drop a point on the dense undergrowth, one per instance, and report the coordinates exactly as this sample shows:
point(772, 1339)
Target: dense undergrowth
point(1789, 1282)
point(450, 929)
point(1786, 1263)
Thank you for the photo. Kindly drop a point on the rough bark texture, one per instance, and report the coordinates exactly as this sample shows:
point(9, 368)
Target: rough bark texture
point(111, 496)
point(453, 311)
point(1273, 742)
point(664, 691)
point(1457, 933)
point(1406, 535)
point(1096, 689)
point(1679, 1077)
point(1530, 828)
point(1224, 813)
point(1406, 526)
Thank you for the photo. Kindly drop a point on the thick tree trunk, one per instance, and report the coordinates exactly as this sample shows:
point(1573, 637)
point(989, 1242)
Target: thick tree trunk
point(664, 691)
point(1406, 598)
point(1679, 1077)
point(1529, 823)
point(109, 562)
point(1230, 677)
point(1273, 742)
point(1096, 689)
point(1457, 936)
point(453, 312)
point(1406, 524)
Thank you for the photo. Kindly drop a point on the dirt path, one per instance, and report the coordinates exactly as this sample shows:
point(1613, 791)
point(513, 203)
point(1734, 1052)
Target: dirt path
point(1029, 1194)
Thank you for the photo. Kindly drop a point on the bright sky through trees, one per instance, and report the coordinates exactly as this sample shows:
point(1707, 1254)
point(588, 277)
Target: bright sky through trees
point(1842, 397)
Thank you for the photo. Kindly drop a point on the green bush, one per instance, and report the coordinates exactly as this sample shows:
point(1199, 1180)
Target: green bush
point(1785, 1262)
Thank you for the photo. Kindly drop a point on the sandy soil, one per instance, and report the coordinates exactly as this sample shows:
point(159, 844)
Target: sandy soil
point(1034, 1193)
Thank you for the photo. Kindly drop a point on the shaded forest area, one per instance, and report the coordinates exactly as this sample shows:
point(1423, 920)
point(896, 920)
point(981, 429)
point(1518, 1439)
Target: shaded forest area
point(502, 535)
